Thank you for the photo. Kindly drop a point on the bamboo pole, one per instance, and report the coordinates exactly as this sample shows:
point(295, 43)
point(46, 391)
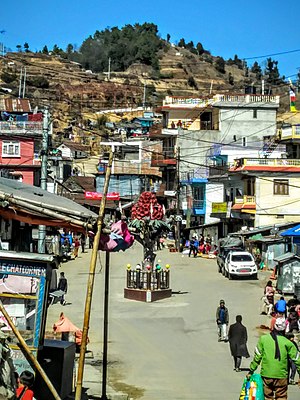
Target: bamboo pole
point(90, 284)
point(29, 354)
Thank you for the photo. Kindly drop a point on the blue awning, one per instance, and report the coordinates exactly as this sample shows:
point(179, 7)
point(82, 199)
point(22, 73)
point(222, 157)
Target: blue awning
point(295, 231)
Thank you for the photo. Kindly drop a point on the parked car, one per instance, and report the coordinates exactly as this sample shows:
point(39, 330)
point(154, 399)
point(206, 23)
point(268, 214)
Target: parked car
point(240, 263)
point(221, 257)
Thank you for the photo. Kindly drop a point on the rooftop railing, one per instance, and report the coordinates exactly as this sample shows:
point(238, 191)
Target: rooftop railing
point(21, 127)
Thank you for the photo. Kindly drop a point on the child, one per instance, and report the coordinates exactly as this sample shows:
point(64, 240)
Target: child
point(292, 366)
point(25, 381)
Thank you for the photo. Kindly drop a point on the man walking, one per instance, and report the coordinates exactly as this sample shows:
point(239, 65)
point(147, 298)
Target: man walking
point(222, 318)
point(272, 352)
point(63, 286)
point(237, 337)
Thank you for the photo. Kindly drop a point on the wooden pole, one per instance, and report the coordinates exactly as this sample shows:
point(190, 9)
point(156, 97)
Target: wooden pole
point(29, 354)
point(105, 327)
point(90, 284)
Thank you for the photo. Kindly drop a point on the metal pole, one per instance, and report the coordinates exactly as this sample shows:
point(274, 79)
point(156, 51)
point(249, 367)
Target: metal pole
point(24, 85)
point(109, 64)
point(144, 96)
point(105, 327)
point(178, 226)
point(29, 354)
point(44, 155)
point(91, 279)
point(20, 82)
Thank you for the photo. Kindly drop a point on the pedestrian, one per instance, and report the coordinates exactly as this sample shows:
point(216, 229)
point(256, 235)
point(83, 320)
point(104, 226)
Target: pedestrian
point(25, 382)
point(222, 318)
point(91, 240)
point(76, 247)
point(82, 242)
point(237, 337)
point(292, 303)
point(63, 286)
point(192, 247)
point(268, 297)
point(280, 306)
point(292, 365)
point(272, 352)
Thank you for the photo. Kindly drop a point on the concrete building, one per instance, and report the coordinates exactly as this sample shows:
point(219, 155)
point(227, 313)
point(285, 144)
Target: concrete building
point(209, 133)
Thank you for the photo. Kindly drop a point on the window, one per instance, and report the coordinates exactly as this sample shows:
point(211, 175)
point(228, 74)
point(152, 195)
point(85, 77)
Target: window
point(281, 186)
point(10, 149)
point(254, 113)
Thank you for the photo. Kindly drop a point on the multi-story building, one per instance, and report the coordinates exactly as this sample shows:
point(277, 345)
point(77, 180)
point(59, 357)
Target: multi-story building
point(207, 135)
point(132, 172)
point(20, 141)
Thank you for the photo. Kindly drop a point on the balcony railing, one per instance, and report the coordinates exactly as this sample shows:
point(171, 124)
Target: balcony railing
point(189, 176)
point(271, 162)
point(23, 127)
point(244, 199)
point(165, 157)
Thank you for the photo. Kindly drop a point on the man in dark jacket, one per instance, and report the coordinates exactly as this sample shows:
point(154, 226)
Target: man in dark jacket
point(237, 336)
point(222, 319)
point(63, 285)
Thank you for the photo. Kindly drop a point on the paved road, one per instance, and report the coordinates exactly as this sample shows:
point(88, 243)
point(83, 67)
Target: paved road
point(167, 349)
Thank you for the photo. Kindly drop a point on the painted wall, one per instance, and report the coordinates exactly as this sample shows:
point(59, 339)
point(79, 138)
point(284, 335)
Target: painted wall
point(26, 152)
point(270, 208)
point(214, 194)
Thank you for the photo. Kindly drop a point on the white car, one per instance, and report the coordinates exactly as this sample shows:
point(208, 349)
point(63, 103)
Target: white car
point(240, 263)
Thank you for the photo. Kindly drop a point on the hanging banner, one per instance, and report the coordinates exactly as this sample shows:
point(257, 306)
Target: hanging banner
point(98, 196)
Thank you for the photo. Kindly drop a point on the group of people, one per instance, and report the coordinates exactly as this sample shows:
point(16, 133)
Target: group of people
point(202, 245)
point(72, 244)
point(276, 352)
point(290, 310)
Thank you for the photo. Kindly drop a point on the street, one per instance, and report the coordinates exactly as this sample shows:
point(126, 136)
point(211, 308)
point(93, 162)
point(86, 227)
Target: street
point(167, 349)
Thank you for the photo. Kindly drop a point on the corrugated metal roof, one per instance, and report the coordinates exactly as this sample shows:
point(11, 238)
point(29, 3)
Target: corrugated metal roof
point(286, 257)
point(15, 105)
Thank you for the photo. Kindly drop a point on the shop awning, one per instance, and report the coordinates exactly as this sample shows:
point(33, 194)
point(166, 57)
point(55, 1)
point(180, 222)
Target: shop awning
point(295, 231)
point(32, 205)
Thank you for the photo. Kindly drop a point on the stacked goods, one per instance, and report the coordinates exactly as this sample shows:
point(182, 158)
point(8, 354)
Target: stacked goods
point(147, 206)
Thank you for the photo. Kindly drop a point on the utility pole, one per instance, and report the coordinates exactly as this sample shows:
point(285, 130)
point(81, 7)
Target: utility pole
point(144, 96)
point(262, 86)
point(109, 66)
point(44, 156)
point(20, 82)
point(24, 84)
point(178, 221)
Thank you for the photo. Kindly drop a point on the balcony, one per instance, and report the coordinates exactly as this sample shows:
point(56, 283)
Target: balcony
point(164, 158)
point(289, 133)
point(26, 128)
point(198, 175)
point(244, 204)
point(266, 165)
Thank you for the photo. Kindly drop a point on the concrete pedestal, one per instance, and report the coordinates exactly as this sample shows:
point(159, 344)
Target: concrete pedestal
point(147, 296)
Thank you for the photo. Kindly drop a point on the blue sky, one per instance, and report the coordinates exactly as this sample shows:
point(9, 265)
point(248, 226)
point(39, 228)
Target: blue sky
point(227, 27)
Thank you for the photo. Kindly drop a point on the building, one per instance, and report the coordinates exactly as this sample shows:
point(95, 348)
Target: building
point(132, 171)
point(260, 192)
point(20, 141)
point(208, 133)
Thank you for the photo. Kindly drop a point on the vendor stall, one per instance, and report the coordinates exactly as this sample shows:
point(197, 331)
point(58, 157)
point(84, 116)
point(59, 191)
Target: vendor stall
point(25, 280)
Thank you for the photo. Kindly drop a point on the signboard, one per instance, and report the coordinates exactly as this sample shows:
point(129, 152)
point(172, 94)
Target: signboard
point(219, 208)
point(23, 292)
point(98, 196)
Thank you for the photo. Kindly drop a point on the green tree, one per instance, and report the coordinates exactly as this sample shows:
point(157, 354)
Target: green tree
point(220, 65)
point(26, 47)
point(230, 78)
point(199, 48)
point(19, 48)
point(181, 43)
point(256, 69)
point(69, 49)
point(168, 37)
point(272, 72)
point(45, 50)
point(192, 83)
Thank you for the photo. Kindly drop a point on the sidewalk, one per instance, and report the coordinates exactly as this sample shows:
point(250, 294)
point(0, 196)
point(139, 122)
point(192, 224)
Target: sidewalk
point(76, 272)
